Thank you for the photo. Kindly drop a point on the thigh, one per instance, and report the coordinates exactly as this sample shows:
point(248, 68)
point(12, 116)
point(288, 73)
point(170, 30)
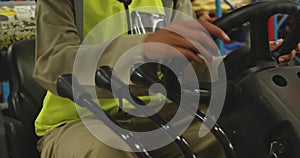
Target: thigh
point(203, 147)
point(73, 140)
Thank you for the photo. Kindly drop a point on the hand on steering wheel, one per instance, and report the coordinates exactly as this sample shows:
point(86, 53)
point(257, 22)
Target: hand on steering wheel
point(285, 59)
point(189, 37)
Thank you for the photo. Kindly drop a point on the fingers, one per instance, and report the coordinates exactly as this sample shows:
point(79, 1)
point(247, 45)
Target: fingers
point(297, 49)
point(193, 57)
point(166, 44)
point(206, 17)
point(285, 59)
point(275, 44)
point(189, 38)
point(197, 37)
point(214, 30)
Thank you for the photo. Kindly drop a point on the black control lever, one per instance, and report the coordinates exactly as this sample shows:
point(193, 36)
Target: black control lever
point(64, 86)
point(142, 77)
point(105, 78)
point(68, 87)
point(139, 76)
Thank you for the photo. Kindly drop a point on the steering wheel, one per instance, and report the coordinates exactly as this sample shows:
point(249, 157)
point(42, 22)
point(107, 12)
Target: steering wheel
point(257, 14)
point(264, 121)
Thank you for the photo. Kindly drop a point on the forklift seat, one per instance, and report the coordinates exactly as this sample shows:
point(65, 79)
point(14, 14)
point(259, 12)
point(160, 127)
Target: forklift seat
point(24, 102)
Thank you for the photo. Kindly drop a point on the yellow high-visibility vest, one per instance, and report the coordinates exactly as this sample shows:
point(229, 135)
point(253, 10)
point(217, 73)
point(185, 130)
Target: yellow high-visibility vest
point(57, 110)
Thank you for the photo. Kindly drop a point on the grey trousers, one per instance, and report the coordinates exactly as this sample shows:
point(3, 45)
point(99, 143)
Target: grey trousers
point(73, 140)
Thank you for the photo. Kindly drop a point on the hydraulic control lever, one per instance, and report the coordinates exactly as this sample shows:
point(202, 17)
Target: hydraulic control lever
point(105, 78)
point(68, 87)
point(139, 76)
